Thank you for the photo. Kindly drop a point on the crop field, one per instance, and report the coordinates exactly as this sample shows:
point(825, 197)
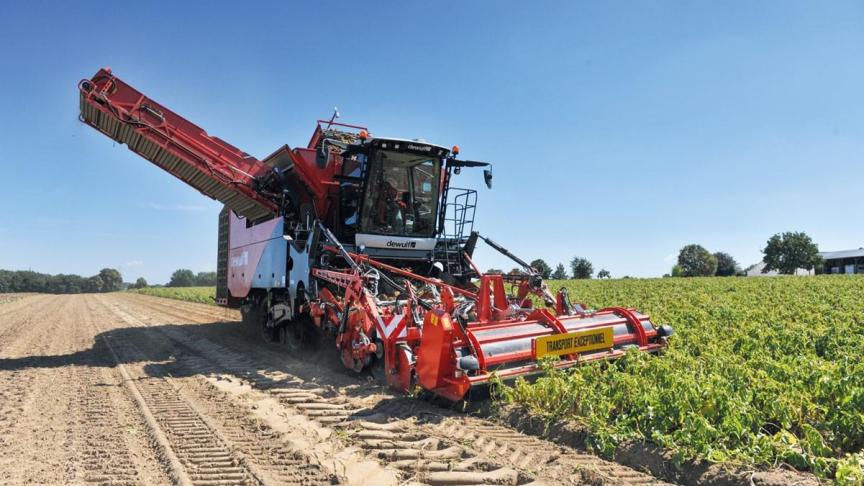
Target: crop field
point(201, 295)
point(761, 372)
point(134, 389)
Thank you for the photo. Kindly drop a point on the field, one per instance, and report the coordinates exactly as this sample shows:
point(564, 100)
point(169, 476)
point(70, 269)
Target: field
point(761, 372)
point(4, 298)
point(134, 389)
point(201, 295)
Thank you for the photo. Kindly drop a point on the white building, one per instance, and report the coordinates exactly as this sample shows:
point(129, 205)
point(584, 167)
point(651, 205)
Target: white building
point(834, 262)
point(755, 270)
point(843, 262)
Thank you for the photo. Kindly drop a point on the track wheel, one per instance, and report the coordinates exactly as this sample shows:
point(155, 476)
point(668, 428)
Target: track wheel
point(292, 335)
point(269, 334)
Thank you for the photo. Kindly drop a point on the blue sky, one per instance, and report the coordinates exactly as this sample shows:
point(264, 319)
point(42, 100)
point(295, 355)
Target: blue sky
point(620, 131)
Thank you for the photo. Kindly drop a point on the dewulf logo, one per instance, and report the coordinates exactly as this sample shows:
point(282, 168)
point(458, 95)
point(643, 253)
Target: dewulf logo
point(420, 148)
point(240, 261)
point(401, 244)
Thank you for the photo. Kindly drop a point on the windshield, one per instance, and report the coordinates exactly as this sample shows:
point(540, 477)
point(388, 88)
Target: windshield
point(401, 194)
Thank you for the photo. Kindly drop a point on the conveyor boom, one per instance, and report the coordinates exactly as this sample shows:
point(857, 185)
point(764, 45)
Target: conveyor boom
point(209, 164)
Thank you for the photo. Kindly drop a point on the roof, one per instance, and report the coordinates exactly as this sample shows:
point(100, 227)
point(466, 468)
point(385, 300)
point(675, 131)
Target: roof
point(835, 255)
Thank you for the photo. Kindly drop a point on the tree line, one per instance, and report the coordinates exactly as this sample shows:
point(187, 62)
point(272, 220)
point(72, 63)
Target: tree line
point(184, 277)
point(107, 280)
point(580, 268)
point(783, 252)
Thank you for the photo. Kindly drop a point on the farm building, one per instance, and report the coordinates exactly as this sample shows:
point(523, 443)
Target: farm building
point(847, 261)
point(755, 270)
point(833, 262)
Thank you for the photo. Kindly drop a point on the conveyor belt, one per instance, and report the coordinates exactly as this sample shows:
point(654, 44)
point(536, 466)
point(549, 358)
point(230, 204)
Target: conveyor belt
point(209, 164)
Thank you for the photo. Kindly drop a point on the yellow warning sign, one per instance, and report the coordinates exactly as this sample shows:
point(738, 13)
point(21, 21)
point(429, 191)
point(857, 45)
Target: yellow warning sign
point(576, 342)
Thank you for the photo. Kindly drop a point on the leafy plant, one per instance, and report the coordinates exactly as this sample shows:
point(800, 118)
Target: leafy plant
point(761, 371)
point(201, 295)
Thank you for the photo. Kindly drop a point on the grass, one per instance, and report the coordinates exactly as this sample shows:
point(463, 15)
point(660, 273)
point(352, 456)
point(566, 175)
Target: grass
point(761, 371)
point(202, 295)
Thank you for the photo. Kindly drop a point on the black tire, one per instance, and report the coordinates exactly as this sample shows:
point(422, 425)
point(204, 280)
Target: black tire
point(299, 334)
point(253, 317)
point(293, 336)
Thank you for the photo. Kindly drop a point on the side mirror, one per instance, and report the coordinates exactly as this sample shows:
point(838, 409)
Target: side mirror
point(487, 176)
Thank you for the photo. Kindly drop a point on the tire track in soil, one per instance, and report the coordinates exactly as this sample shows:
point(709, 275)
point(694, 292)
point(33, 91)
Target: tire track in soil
point(213, 441)
point(14, 322)
point(449, 448)
point(111, 439)
point(418, 458)
point(62, 416)
point(34, 400)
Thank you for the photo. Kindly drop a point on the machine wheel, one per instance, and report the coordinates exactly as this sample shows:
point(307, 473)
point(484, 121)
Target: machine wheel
point(292, 336)
point(377, 372)
point(253, 317)
point(299, 334)
point(269, 334)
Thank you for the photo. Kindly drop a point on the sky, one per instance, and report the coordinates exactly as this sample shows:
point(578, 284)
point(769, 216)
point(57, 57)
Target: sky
point(618, 131)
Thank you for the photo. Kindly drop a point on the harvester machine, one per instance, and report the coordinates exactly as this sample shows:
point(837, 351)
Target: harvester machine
point(364, 242)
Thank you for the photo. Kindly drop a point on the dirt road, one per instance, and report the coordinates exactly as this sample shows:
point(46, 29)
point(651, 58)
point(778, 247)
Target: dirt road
point(130, 389)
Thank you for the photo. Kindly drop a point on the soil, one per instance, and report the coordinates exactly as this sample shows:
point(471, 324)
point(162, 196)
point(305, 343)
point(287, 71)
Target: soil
point(655, 460)
point(131, 389)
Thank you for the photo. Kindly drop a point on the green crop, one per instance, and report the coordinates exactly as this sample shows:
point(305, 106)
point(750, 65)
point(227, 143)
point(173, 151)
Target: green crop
point(760, 371)
point(202, 295)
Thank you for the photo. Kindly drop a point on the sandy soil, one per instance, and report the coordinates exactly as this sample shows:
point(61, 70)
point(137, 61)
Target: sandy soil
point(131, 389)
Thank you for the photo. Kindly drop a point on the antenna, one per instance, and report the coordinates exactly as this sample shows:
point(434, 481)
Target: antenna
point(333, 117)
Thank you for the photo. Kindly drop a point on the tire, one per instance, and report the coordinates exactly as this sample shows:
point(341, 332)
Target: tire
point(293, 336)
point(299, 334)
point(253, 317)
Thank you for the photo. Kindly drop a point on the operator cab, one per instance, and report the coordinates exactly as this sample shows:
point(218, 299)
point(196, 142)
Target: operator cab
point(390, 194)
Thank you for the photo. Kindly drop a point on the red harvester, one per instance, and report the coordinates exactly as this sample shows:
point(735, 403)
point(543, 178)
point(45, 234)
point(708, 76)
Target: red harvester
point(364, 241)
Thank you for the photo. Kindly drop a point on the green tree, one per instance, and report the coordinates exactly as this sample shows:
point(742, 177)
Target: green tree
point(205, 279)
point(696, 261)
point(112, 281)
point(790, 251)
point(94, 284)
point(141, 283)
point(542, 268)
point(603, 273)
point(560, 272)
point(182, 278)
point(676, 271)
point(516, 271)
point(726, 265)
point(494, 271)
point(581, 268)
